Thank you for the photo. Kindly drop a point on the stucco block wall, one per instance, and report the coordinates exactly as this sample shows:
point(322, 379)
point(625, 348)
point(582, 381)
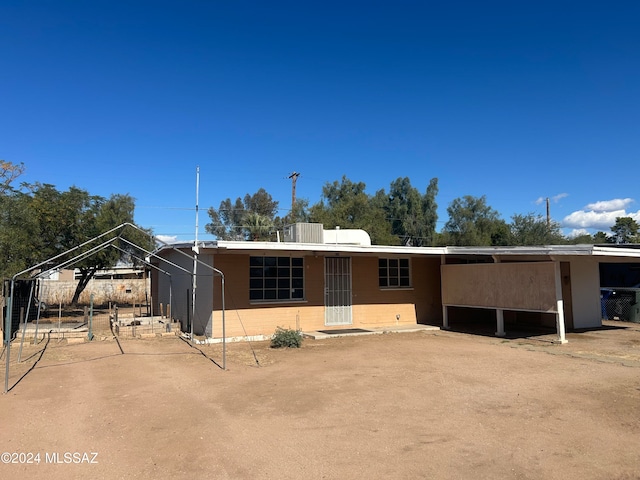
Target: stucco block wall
point(372, 306)
point(427, 286)
point(244, 317)
point(377, 306)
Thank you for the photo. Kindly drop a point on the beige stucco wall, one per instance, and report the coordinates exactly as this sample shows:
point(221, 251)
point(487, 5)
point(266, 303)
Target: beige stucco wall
point(585, 292)
point(377, 306)
point(372, 306)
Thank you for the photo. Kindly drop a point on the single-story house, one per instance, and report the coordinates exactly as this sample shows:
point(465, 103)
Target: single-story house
point(318, 279)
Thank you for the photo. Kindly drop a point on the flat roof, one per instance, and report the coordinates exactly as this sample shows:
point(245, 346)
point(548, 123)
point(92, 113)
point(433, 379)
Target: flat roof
point(543, 250)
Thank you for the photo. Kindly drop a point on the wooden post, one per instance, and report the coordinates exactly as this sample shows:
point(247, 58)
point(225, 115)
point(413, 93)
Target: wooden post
point(560, 328)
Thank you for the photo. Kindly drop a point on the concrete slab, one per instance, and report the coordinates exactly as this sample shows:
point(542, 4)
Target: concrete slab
point(317, 335)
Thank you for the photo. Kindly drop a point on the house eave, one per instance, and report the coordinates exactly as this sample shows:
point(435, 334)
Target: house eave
point(330, 248)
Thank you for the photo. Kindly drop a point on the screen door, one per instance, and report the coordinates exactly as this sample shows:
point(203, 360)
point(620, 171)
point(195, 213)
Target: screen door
point(337, 291)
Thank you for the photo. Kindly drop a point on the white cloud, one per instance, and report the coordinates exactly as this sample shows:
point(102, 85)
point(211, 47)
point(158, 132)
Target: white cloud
point(610, 205)
point(577, 232)
point(554, 199)
point(167, 238)
point(591, 219)
point(600, 215)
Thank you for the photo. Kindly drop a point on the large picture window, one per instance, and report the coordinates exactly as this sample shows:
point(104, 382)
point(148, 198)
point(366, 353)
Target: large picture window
point(276, 278)
point(394, 273)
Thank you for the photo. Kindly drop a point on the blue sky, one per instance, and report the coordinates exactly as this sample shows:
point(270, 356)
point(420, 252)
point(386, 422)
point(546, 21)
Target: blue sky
point(514, 100)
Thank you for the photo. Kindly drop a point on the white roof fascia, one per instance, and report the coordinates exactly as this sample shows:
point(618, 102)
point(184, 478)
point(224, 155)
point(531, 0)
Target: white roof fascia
point(328, 248)
point(616, 252)
point(535, 250)
point(544, 250)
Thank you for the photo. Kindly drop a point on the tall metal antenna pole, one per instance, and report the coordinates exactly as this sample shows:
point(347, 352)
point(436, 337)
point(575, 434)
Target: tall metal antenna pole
point(294, 177)
point(197, 194)
point(195, 258)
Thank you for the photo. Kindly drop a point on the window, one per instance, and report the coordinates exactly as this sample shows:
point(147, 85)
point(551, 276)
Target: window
point(394, 273)
point(276, 278)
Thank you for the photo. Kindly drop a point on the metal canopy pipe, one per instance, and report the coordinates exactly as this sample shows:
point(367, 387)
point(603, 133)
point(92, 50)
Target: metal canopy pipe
point(73, 260)
point(9, 306)
point(7, 339)
point(224, 335)
point(123, 226)
point(35, 335)
point(26, 318)
point(90, 334)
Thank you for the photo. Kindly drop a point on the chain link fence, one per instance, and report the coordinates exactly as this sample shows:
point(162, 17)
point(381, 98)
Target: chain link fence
point(620, 304)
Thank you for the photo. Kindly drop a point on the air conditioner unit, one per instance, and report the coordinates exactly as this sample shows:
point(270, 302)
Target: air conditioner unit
point(304, 233)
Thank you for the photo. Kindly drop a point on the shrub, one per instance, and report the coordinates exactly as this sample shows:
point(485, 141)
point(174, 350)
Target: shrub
point(286, 337)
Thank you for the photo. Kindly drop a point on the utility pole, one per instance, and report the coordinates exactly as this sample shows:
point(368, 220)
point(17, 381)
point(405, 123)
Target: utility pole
point(294, 177)
point(548, 215)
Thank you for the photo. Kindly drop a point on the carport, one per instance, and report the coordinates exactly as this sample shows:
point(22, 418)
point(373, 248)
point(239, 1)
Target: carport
point(560, 281)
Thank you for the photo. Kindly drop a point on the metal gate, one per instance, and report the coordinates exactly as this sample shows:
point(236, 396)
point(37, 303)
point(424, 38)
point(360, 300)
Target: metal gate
point(337, 291)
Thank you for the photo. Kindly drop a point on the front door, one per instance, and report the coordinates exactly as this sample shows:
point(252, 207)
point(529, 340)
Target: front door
point(337, 291)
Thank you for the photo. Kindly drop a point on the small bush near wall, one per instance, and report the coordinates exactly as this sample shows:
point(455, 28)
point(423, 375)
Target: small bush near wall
point(286, 338)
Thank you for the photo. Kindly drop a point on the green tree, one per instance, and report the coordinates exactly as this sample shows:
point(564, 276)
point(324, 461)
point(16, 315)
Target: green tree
point(625, 230)
point(474, 223)
point(257, 227)
point(532, 229)
point(584, 239)
point(249, 219)
point(18, 227)
point(413, 216)
point(430, 212)
point(102, 216)
point(226, 221)
point(345, 204)
point(300, 214)
point(19, 234)
point(602, 237)
point(8, 173)
point(45, 223)
point(262, 203)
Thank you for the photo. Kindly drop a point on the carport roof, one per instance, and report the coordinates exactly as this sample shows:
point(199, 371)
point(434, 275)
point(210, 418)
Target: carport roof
point(551, 250)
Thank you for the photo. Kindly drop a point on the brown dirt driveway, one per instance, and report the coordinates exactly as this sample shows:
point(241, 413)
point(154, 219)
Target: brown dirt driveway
point(433, 405)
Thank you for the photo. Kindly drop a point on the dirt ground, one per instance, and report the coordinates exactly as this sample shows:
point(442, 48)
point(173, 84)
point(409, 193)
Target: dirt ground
point(433, 405)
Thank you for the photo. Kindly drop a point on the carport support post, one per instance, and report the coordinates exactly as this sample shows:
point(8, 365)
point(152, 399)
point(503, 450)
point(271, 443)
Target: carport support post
point(445, 318)
point(445, 310)
point(500, 322)
point(559, 306)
